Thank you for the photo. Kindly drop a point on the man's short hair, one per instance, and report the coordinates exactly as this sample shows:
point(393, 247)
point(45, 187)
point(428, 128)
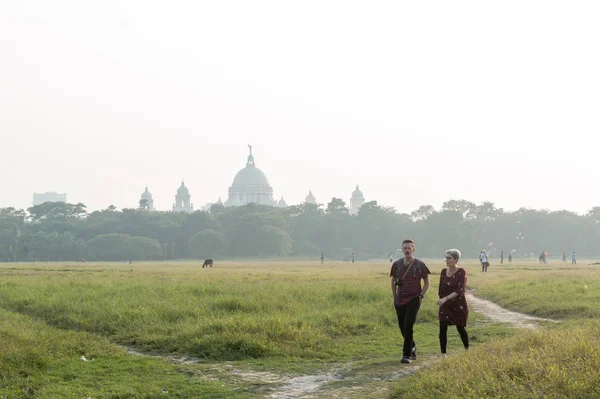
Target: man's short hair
point(408, 241)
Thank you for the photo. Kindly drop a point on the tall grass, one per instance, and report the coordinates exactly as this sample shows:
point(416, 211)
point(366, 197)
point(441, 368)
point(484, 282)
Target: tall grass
point(228, 315)
point(559, 363)
point(563, 292)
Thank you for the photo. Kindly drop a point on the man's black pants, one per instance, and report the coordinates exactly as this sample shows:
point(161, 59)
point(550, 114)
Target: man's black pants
point(407, 316)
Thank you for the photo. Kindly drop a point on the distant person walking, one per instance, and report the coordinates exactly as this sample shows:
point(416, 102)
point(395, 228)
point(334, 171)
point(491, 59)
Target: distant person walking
point(406, 275)
point(453, 308)
point(391, 258)
point(483, 258)
point(573, 258)
point(509, 257)
point(542, 257)
point(501, 256)
point(322, 257)
point(352, 257)
point(564, 257)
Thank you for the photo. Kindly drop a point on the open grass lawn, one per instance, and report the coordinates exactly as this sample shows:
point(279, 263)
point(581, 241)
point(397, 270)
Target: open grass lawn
point(250, 325)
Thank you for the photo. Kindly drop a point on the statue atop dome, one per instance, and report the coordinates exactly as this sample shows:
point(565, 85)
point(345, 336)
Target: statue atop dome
point(250, 157)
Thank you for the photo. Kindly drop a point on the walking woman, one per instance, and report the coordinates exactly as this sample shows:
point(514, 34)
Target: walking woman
point(453, 308)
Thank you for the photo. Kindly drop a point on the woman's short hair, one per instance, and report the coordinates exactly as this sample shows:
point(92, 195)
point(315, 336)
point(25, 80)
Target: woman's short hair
point(455, 253)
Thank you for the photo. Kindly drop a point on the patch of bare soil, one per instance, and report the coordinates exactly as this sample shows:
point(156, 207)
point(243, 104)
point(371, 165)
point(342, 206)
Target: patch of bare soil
point(170, 358)
point(304, 386)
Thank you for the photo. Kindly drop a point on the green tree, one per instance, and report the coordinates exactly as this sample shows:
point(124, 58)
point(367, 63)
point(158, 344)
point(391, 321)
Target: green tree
point(337, 228)
point(337, 206)
point(54, 246)
point(251, 237)
point(273, 241)
point(466, 208)
point(122, 247)
point(12, 226)
point(594, 214)
point(423, 212)
point(305, 221)
point(207, 244)
point(142, 248)
point(191, 224)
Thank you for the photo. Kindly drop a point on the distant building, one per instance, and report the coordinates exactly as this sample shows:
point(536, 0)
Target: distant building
point(182, 200)
point(282, 203)
point(356, 201)
point(250, 185)
point(146, 200)
point(40, 198)
point(310, 198)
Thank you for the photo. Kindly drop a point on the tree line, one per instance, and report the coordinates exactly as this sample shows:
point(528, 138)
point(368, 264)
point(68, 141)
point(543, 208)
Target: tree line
point(56, 231)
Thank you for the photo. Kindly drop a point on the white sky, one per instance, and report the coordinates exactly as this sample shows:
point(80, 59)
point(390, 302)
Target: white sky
point(417, 102)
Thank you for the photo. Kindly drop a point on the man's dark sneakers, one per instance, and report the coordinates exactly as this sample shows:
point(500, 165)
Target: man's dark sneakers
point(405, 359)
point(413, 353)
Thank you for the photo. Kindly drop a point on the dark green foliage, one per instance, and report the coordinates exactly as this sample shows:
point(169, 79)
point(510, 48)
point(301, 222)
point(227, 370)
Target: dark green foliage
point(58, 231)
point(122, 247)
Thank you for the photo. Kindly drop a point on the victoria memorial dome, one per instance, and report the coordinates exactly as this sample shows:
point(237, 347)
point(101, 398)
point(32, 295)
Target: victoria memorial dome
point(250, 185)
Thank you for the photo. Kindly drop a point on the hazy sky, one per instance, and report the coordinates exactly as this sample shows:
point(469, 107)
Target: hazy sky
point(417, 102)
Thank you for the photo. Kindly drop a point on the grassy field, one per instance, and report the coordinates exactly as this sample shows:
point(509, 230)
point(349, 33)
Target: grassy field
point(251, 327)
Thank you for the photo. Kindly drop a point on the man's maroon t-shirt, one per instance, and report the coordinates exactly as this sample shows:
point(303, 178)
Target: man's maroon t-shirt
point(411, 285)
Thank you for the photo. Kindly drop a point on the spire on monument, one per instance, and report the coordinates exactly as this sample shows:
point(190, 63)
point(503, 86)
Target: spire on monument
point(310, 198)
point(282, 203)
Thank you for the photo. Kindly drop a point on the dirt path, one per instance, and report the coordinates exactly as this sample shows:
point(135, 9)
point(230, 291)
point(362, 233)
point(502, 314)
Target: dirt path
point(349, 381)
point(498, 314)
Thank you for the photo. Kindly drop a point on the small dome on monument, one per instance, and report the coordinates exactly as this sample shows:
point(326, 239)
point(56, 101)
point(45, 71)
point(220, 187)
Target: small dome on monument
point(183, 190)
point(146, 194)
point(282, 203)
point(310, 198)
point(357, 193)
point(219, 202)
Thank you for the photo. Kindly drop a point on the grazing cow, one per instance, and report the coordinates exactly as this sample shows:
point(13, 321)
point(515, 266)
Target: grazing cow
point(207, 263)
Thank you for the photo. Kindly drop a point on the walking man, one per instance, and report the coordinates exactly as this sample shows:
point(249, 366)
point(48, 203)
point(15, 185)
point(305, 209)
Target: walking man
point(573, 258)
point(501, 256)
point(406, 275)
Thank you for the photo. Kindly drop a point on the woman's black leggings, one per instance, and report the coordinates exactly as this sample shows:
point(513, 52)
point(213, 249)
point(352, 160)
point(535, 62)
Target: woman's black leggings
point(444, 336)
